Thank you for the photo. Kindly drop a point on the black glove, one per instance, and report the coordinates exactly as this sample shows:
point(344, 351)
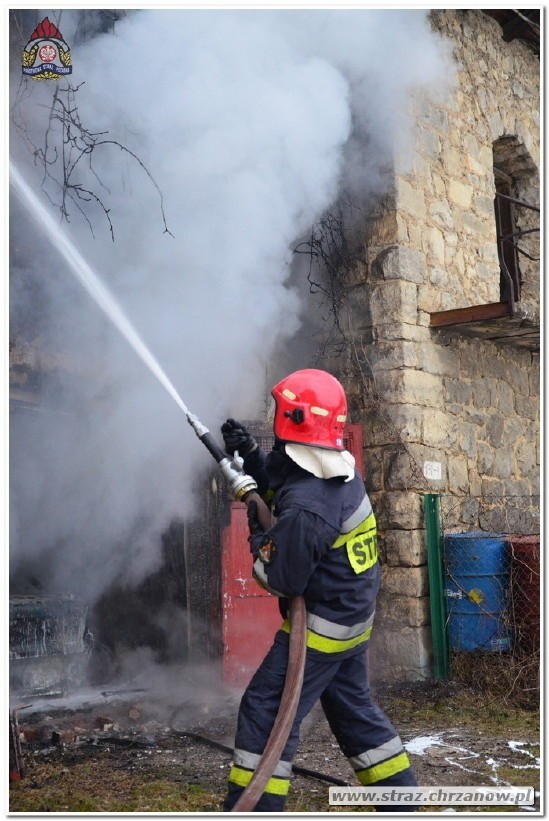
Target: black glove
point(253, 520)
point(236, 437)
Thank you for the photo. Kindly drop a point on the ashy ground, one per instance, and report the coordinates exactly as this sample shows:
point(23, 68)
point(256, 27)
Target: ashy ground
point(125, 755)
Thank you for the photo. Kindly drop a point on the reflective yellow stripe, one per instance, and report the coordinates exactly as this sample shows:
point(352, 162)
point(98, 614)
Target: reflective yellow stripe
point(326, 645)
point(275, 786)
point(366, 525)
point(373, 756)
point(361, 544)
point(383, 770)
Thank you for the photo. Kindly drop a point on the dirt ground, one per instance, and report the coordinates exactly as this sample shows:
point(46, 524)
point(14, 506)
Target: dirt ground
point(125, 754)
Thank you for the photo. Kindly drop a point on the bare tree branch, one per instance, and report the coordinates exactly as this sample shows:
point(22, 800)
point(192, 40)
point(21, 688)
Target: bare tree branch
point(66, 142)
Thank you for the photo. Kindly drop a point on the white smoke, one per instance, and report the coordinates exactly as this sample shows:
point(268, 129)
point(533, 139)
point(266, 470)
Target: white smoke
point(249, 122)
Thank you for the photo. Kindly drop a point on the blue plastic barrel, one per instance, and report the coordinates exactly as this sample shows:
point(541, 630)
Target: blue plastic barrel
point(477, 567)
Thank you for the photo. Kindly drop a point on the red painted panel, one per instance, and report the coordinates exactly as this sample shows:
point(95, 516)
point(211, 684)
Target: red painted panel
point(353, 443)
point(237, 559)
point(249, 625)
point(250, 614)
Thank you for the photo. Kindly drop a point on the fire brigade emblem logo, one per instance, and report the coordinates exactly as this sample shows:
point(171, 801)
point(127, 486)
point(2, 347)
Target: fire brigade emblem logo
point(46, 55)
point(267, 551)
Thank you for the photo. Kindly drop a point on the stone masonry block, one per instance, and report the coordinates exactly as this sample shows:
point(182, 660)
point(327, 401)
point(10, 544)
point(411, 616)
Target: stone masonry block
point(440, 278)
point(492, 487)
point(435, 244)
point(504, 397)
point(403, 467)
point(358, 300)
point(373, 469)
point(495, 122)
point(460, 193)
point(383, 229)
point(471, 144)
point(404, 610)
point(398, 510)
point(393, 301)
point(439, 185)
point(504, 368)
point(486, 156)
point(383, 426)
point(408, 420)
point(484, 392)
point(400, 469)
point(433, 116)
point(485, 461)
point(415, 234)
point(489, 254)
point(403, 229)
point(405, 581)
point(468, 438)
point(526, 458)
point(440, 430)
point(441, 213)
point(439, 359)
point(459, 391)
point(429, 143)
point(472, 414)
point(403, 330)
point(452, 161)
point(535, 379)
point(504, 463)
point(477, 227)
point(410, 387)
point(458, 475)
point(402, 653)
point(392, 355)
point(399, 262)
point(494, 429)
point(405, 548)
point(475, 487)
point(514, 428)
point(517, 377)
point(410, 199)
point(527, 406)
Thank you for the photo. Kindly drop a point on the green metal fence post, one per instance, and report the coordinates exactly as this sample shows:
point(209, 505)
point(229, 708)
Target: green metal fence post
point(433, 529)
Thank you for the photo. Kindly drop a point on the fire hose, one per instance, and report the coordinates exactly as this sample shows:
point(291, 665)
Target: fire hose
point(243, 488)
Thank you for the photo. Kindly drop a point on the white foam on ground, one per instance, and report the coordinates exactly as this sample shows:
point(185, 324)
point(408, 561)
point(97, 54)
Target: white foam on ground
point(419, 745)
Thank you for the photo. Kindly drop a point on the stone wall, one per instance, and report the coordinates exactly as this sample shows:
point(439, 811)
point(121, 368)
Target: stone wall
point(445, 205)
point(484, 432)
point(423, 395)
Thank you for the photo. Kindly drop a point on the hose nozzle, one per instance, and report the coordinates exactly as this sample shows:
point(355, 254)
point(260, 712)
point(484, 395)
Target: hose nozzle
point(239, 482)
point(196, 425)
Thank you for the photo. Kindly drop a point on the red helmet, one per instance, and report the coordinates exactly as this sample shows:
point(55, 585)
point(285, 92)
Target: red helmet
point(311, 409)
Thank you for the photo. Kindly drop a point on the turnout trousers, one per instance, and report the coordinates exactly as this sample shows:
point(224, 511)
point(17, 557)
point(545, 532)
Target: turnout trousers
point(363, 731)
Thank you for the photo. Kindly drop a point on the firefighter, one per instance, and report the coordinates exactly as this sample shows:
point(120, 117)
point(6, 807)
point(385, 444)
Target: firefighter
point(322, 546)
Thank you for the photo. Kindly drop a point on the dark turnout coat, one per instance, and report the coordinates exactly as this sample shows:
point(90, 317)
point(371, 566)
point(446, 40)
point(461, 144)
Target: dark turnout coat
point(322, 546)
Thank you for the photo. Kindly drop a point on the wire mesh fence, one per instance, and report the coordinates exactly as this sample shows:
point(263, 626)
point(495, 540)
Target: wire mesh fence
point(491, 561)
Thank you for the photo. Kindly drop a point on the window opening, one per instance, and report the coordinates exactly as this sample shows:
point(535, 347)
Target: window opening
point(516, 219)
point(510, 275)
